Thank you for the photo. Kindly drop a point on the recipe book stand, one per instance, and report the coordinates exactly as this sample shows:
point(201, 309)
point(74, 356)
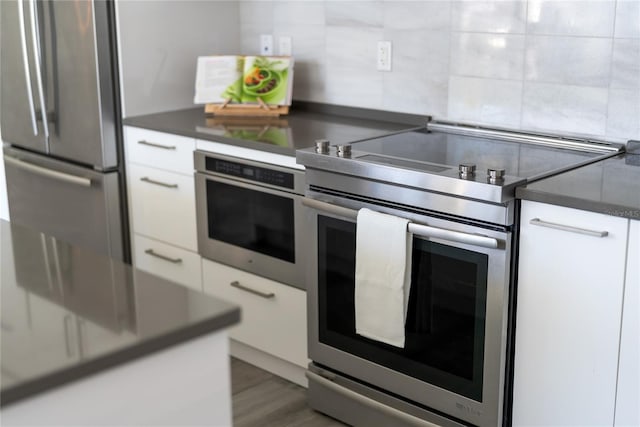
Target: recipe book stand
point(261, 109)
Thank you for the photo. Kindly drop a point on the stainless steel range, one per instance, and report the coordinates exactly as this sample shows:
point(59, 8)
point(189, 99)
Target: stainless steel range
point(455, 184)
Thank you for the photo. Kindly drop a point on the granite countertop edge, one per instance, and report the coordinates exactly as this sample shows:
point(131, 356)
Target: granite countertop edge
point(119, 357)
point(601, 207)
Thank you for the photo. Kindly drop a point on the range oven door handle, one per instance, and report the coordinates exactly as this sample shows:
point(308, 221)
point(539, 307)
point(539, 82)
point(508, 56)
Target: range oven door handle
point(414, 228)
point(407, 419)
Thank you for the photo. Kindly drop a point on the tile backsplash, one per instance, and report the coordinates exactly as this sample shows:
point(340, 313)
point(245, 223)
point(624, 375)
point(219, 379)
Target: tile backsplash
point(547, 65)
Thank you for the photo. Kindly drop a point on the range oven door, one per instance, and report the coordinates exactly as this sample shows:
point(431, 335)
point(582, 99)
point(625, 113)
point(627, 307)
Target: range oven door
point(253, 227)
point(453, 361)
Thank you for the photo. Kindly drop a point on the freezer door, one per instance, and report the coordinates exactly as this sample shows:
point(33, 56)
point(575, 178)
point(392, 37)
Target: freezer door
point(71, 203)
point(20, 109)
point(79, 63)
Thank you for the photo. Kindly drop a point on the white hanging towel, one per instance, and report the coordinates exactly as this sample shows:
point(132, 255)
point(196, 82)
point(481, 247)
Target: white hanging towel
point(383, 276)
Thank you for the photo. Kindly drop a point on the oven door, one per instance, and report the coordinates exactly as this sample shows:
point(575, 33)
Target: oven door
point(453, 361)
point(250, 227)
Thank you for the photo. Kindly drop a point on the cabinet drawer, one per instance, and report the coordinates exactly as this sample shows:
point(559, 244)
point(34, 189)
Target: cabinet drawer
point(273, 321)
point(169, 262)
point(160, 150)
point(163, 206)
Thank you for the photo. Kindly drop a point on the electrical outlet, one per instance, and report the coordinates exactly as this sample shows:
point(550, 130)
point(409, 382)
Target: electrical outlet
point(383, 61)
point(284, 46)
point(266, 44)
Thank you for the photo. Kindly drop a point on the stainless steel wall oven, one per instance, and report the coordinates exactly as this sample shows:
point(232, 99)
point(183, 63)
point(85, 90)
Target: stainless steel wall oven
point(455, 185)
point(249, 215)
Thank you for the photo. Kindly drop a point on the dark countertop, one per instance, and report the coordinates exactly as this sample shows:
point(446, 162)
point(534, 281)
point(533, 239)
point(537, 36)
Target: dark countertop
point(68, 313)
point(305, 123)
point(611, 186)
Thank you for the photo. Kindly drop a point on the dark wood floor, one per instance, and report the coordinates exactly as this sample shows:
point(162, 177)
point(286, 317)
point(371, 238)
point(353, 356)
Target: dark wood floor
point(261, 399)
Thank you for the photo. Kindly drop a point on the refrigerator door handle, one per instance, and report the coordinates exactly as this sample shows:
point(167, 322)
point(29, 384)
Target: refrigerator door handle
point(35, 36)
point(27, 73)
point(60, 176)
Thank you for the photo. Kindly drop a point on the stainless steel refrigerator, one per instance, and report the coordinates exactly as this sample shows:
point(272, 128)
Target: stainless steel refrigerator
point(60, 121)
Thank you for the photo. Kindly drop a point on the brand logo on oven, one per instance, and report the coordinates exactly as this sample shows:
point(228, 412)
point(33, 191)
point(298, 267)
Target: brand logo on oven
point(468, 409)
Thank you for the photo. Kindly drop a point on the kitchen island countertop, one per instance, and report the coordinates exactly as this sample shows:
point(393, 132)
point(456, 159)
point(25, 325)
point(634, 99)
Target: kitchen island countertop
point(68, 313)
point(611, 187)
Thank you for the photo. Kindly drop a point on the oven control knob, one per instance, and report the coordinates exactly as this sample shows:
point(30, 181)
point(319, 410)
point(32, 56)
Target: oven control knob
point(322, 146)
point(467, 170)
point(495, 175)
point(344, 150)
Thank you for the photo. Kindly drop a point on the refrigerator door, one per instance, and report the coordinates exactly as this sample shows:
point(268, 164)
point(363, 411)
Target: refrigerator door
point(69, 202)
point(20, 95)
point(78, 43)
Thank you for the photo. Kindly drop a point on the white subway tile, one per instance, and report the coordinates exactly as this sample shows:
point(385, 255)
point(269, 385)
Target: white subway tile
point(628, 18)
point(354, 13)
point(417, 15)
point(351, 75)
point(568, 60)
point(489, 16)
point(499, 56)
point(352, 47)
point(485, 101)
point(421, 52)
point(563, 108)
point(357, 89)
point(420, 72)
point(625, 66)
point(576, 18)
point(298, 12)
point(624, 114)
point(411, 93)
point(256, 13)
point(307, 41)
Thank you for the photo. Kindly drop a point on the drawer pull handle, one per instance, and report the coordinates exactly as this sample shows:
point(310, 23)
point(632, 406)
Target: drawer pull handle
point(267, 295)
point(162, 184)
point(164, 257)
point(152, 144)
point(594, 233)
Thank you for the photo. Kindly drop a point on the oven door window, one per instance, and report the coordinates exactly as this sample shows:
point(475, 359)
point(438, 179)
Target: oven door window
point(252, 219)
point(444, 330)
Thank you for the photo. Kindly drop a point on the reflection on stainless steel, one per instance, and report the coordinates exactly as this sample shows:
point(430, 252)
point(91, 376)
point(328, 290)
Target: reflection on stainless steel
point(60, 122)
point(455, 368)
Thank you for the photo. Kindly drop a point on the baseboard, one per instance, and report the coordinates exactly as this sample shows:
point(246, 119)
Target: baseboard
point(275, 365)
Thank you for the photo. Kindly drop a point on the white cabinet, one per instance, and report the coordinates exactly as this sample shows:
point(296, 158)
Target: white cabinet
point(273, 315)
point(628, 397)
point(568, 317)
point(171, 262)
point(162, 205)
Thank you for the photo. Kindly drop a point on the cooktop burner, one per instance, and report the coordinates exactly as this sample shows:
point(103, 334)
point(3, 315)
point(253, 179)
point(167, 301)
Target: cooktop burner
point(461, 160)
point(437, 152)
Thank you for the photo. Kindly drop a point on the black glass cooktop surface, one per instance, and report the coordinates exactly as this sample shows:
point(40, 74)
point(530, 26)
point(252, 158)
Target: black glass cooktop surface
point(435, 152)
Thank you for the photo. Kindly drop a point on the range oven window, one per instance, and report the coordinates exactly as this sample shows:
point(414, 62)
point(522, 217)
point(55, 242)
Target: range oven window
point(444, 331)
point(251, 219)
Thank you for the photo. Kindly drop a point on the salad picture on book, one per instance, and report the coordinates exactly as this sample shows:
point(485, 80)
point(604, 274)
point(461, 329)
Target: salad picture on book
point(244, 79)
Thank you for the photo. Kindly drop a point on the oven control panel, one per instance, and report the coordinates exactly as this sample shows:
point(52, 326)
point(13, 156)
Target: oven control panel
point(250, 172)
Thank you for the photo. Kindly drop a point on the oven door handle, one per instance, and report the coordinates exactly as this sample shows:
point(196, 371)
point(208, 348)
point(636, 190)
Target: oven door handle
point(414, 228)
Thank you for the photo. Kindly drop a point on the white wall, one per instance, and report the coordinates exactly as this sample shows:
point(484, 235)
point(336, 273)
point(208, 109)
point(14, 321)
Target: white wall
point(547, 65)
point(159, 43)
